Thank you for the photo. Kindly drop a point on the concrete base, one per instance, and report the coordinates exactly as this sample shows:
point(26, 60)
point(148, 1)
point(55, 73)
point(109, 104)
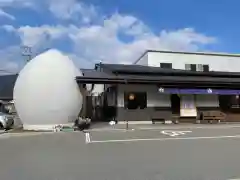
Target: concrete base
point(44, 127)
point(17, 123)
point(135, 122)
point(168, 122)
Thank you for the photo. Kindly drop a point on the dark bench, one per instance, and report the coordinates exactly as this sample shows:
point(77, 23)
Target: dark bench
point(212, 116)
point(161, 114)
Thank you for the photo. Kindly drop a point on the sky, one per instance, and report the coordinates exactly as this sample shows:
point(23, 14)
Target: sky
point(115, 31)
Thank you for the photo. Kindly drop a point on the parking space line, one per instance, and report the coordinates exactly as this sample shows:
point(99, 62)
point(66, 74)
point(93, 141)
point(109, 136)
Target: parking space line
point(164, 139)
point(25, 134)
point(87, 138)
point(188, 127)
point(110, 129)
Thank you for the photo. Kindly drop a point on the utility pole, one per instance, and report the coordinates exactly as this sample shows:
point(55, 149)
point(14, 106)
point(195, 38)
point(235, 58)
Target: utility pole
point(27, 53)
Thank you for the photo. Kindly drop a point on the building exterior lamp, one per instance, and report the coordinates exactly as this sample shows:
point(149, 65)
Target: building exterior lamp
point(209, 90)
point(131, 97)
point(161, 90)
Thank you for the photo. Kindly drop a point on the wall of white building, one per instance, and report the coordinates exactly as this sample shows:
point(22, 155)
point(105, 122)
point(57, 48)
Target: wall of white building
point(230, 63)
point(156, 99)
point(98, 89)
point(216, 62)
point(143, 60)
point(205, 100)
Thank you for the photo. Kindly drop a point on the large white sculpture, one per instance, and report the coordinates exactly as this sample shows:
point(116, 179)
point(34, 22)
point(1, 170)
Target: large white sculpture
point(46, 93)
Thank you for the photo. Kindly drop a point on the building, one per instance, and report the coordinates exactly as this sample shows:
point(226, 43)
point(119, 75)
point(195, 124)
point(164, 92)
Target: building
point(6, 91)
point(6, 86)
point(191, 61)
point(163, 84)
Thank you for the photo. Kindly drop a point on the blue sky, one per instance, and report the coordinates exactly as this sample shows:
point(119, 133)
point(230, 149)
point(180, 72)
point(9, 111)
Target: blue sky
point(215, 18)
point(116, 31)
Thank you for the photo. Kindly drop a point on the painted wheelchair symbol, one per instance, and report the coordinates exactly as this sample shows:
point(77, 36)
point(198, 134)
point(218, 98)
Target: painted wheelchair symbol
point(174, 133)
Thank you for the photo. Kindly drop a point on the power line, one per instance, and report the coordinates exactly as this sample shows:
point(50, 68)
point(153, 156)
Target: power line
point(4, 70)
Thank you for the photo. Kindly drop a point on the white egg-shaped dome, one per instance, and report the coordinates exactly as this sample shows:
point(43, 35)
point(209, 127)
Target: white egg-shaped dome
point(46, 93)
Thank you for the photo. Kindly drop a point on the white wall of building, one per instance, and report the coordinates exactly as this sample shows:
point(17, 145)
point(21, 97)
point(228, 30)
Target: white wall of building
point(216, 62)
point(205, 100)
point(98, 89)
point(143, 60)
point(230, 63)
point(154, 98)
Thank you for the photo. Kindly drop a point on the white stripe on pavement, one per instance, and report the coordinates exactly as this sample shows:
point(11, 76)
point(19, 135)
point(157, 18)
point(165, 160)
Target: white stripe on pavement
point(110, 130)
point(87, 138)
point(10, 135)
point(165, 139)
point(188, 127)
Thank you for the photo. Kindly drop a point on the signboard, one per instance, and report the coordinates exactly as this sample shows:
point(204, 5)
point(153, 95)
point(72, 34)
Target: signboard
point(199, 91)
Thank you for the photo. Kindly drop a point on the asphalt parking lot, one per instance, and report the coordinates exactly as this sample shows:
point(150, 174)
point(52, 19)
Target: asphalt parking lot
point(163, 134)
point(155, 154)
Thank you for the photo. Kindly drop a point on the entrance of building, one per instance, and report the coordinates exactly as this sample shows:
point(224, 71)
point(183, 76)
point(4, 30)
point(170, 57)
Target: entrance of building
point(188, 106)
point(183, 105)
point(175, 104)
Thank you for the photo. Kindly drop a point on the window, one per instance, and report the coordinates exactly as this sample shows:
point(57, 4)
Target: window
point(229, 102)
point(187, 67)
point(200, 67)
point(234, 101)
point(135, 100)
point(166, 65)
point(191, 67)
point(205, 68)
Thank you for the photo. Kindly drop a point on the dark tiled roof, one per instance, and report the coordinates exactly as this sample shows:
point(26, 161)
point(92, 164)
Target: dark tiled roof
point(7, 83)
point(176, 79)
point(154, 75)
point(167, 81)
point(181, 79)
point(96, 74)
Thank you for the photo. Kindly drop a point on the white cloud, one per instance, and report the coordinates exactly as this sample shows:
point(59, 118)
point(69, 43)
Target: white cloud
point(14, 4)
point(103, 41)
point(4, 14)
point(116, 39)
point(37, 36)
point(72, 9)
point(11, 60)
point(17, 3)
point(8, 28)
point(34, 36)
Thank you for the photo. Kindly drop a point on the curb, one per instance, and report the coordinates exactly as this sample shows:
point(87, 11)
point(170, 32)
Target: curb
point(135, 122)
point(106, 129)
